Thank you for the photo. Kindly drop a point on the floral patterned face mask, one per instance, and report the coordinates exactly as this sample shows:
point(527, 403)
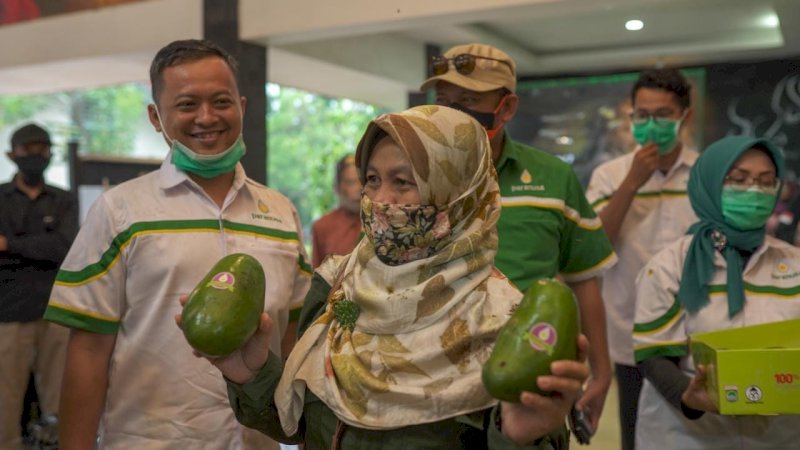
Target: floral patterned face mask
point(403, 233)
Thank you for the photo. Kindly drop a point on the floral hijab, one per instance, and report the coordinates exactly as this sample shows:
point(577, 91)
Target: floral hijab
point(404, 344)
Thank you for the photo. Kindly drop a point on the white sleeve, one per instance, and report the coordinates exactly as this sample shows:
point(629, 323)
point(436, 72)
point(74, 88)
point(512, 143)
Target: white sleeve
point(89, 291)
point(601, 187)
point(659, 321)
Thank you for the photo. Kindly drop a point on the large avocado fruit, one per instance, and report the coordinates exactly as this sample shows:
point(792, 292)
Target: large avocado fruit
point(225, 308)
point(544, 328)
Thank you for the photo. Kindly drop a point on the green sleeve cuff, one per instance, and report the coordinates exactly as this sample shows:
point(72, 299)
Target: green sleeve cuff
point(75, 319)
point(253, 402)
point(498, 441)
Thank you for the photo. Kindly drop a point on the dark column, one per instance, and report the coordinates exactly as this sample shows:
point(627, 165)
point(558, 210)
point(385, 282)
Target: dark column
point(221, 26)
point(417, 98)
point(74, 162)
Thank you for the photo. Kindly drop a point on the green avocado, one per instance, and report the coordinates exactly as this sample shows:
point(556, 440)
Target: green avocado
point(544, 328)
point(225, 308)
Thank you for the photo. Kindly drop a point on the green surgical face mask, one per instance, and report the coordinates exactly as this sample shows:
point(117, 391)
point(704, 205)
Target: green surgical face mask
point(205, 166)
point(664, 133)
point(747, 210)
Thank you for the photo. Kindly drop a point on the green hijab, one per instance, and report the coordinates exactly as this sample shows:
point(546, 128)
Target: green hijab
point(711, 232)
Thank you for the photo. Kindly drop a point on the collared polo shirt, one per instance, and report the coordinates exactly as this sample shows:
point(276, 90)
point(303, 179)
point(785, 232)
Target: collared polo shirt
point(546, 226)
point(662, 325)
point(659, 215)
point(143, 244)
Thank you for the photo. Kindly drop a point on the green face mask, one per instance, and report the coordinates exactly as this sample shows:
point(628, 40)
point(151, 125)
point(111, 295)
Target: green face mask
point(747, 210)
point(207, 166)
point(664, 133)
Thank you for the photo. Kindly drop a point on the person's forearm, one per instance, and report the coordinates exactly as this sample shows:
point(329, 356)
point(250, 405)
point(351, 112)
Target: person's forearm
point(614, 212)
point(593, 323)
point(669, 380)
point(52, 247)
point(254, 405)
point(83, 389)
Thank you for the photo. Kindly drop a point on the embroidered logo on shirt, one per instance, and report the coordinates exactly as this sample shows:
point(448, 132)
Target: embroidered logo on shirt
point(784, 272)
point(264, 211)
point(527, 179)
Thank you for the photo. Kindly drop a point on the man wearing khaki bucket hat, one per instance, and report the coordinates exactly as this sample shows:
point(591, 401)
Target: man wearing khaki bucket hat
point(547, 228)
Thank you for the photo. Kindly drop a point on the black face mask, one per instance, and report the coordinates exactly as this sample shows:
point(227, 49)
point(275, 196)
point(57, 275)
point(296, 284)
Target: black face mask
point(32, 168)
point(486, 119)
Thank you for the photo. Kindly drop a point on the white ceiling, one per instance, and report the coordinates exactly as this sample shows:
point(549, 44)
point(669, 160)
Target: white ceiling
point(374, 50)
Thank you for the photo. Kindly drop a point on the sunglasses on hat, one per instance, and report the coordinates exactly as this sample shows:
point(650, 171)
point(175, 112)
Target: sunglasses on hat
point(464, 63)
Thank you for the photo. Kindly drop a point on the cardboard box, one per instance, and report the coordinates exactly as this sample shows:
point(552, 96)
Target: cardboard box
point(753, 370)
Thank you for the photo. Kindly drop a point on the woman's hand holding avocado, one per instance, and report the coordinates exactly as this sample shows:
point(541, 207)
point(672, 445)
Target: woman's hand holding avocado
point(537, 415)
point(243, 364)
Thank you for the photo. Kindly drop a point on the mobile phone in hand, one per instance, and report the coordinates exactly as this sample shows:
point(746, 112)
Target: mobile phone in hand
point(580, 425)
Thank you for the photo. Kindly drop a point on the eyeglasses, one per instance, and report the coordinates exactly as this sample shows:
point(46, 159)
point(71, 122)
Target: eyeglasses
point(661, 117)
point(464, 63)
point(739, 181)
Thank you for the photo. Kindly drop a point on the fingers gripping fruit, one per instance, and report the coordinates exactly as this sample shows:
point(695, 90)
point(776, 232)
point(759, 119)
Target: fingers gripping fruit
point(225, 308)
point(544, 328)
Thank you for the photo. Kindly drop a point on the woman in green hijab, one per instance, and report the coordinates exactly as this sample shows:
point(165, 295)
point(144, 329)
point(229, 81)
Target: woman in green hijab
point(725, 273)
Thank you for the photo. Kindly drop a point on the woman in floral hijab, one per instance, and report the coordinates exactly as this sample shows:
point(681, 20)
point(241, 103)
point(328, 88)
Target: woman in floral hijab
point(395, 334)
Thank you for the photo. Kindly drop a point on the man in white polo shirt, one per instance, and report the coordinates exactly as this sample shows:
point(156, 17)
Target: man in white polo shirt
point(129, 372)
point(641, 199)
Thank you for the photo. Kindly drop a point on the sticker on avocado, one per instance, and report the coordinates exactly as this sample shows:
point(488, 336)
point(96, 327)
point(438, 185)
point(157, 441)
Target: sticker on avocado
point(543, 337)
point(732, 393)
point(223, 281)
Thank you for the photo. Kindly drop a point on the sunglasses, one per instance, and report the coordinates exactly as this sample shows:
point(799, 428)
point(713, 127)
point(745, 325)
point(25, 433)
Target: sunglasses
point(464, 63)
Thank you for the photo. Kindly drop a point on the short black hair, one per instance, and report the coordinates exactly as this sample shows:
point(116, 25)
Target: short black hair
point(670, 80)
point(183, 51)
point(343, 163)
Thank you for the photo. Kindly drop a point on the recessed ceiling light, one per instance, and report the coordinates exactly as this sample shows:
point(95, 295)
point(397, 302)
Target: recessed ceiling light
point(771, 21)
point(634, 25)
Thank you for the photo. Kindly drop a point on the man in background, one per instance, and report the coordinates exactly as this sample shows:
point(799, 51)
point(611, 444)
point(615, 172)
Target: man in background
point(37, 225)
point(547, 227)
point(642, 200)
point(337, 232)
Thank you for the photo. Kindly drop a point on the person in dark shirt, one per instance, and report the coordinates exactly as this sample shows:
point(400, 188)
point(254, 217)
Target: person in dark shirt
point(37, 225)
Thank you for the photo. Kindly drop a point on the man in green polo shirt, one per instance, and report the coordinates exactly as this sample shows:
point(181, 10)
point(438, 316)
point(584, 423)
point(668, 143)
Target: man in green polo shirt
point(547, 228)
